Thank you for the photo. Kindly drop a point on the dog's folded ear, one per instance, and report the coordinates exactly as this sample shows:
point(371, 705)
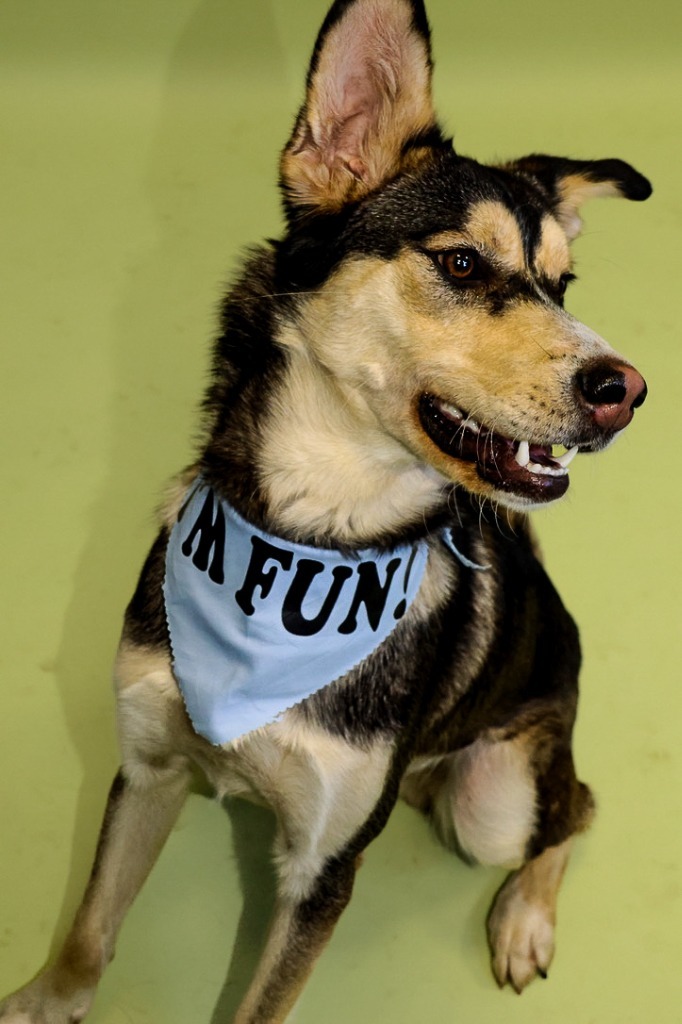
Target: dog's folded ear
point(570, 183)
point(368, 97)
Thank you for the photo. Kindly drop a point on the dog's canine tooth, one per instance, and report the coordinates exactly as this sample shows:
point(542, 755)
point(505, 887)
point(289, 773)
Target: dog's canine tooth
point(565, 460)
point(472, 425)
point(523, 454)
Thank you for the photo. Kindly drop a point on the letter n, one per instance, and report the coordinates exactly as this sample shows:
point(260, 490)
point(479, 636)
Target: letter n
point(210, 528)
point(370, 592)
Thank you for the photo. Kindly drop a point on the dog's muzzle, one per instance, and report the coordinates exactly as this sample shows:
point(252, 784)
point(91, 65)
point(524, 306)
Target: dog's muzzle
point(606, 394)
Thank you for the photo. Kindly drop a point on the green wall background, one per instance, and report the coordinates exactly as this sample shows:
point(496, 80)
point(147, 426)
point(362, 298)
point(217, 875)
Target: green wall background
point(139, 147)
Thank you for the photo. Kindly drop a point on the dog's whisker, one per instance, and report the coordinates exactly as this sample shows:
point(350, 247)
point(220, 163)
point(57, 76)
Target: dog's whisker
point(287, 295)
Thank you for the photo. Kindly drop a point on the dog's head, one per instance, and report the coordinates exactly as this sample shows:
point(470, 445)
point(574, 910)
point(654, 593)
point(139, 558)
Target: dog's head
point(434, 284)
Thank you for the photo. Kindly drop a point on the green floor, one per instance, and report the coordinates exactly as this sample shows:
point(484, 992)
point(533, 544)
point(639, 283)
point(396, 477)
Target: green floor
point(139, 148)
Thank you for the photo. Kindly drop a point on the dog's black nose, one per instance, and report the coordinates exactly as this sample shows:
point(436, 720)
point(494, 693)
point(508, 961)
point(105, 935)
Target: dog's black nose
point(612, 391)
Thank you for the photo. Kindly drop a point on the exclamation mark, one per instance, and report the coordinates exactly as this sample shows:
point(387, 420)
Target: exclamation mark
point(402, 607)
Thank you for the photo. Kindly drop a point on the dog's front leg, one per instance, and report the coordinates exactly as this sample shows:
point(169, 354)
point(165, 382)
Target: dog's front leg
point(331, 799)
point(299, 931)
point(139, 815)
point(523, 916)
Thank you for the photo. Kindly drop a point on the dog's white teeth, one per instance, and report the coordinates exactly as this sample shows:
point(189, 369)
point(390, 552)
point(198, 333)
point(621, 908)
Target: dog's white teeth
point(452, 411)
point(559, 466)
point(472, 425)
point(523, 454)
point(535, 467)
point(565, 460)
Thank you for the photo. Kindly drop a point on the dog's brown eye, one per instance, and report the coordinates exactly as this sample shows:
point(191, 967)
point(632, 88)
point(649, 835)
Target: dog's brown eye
point(461, 264)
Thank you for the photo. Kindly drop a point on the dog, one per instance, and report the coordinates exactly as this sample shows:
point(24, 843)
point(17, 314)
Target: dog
point(345, 603)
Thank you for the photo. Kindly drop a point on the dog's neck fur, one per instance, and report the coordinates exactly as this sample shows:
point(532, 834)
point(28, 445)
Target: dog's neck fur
point(328, 467)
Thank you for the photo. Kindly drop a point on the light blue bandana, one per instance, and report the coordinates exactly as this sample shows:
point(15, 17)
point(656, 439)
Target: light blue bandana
point(257, 624)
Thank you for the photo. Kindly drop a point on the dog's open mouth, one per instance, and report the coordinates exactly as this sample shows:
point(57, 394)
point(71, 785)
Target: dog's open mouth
point(517, 467)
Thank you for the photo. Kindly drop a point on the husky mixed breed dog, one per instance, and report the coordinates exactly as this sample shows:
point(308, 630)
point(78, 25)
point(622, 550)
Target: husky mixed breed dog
point(392, 374)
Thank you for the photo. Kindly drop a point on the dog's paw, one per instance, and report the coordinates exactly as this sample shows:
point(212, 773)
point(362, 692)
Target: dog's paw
point(521, 937)
point(37, 1003)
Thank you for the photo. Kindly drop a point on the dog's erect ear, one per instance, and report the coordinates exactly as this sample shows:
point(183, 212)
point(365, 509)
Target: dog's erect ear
point(570, 183)
point(368, 94)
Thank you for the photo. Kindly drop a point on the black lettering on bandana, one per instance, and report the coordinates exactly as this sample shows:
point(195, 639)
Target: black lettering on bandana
point(211, 532)
point(292, 614)
point(256, 577)
point(371, 593)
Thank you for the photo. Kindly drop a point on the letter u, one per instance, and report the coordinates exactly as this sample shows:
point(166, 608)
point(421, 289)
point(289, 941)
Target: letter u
point(293, 618)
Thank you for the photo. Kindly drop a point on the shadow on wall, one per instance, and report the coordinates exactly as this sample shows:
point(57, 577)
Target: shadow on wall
point(209, 150)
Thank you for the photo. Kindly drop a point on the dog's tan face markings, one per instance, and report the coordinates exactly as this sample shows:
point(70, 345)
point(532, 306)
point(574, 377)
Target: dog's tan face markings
point(552, 256)
point(389, 331)
point(494, 231)
point(490, 229)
